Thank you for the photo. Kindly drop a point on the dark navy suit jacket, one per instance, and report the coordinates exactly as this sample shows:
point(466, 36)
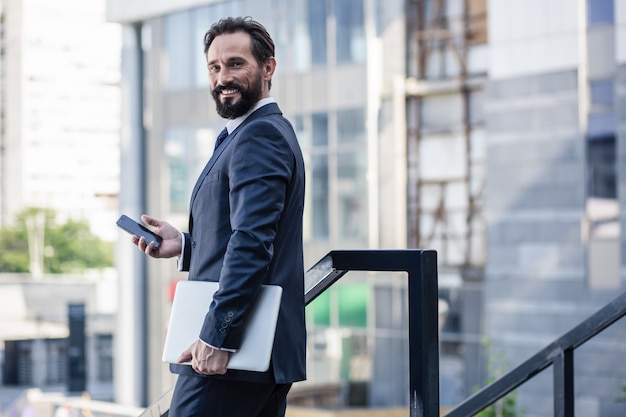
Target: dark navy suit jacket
point(245, 230)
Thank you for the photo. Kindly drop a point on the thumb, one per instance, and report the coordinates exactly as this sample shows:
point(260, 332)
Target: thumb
point(151, 221)
point(185, 356)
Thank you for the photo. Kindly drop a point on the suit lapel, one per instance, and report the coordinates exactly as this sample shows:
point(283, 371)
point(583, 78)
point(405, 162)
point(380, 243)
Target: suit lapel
point(209, 165)
point(263, 111)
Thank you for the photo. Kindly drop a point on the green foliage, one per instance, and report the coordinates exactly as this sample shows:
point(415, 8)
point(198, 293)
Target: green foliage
point(67, 248)
point(496, 367)
point(13, 250)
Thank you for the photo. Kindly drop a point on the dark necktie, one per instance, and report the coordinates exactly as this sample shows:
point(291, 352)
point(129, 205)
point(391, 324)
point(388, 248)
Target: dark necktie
point(220, 138)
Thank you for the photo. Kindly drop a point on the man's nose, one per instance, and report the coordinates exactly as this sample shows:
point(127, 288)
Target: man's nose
point(225, 77)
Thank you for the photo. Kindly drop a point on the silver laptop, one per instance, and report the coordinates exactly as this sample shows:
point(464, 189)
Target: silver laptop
point(191, 303)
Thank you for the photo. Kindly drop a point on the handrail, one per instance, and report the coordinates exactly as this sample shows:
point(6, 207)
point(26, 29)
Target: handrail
point(560, 354)
point(421, 267)
point(161, 407)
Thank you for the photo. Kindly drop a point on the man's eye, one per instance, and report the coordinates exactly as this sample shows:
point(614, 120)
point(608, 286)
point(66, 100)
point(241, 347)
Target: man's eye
point(213, 68)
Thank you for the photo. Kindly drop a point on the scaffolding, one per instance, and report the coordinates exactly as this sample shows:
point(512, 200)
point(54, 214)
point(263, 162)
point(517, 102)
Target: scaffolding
point(441, 36)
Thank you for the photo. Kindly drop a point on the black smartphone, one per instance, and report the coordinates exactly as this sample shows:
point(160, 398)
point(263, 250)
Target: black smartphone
point(131, 226)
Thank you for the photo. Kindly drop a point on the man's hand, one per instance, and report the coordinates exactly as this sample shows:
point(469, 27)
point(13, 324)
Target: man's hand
point(171, 244)
point(205, 360)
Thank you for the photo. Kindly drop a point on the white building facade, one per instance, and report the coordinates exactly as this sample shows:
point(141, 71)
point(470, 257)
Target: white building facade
point(60, 102)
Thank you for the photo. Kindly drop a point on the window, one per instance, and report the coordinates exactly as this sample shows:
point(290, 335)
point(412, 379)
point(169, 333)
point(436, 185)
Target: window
point(338, 175)
point(351, 126)
point(187, 150)
point(601, 92)
point(350, 37)
point(177, 51)
point(299, 36)
point(319, 309)
point(199, 19)
point(601, 168)
point(320, 129)
point(104, 352)
point(56, 361)
point(603, 214)
point(345, 303)
point(352, 304)
point(320, 226)
point(601, 124)
point(176, 153)
point(352, 194)
point(600, 11)
point(320, 180)
point(317, 31)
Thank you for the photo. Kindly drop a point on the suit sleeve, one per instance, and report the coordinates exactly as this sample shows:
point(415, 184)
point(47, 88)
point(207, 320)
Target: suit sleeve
point(260, 168)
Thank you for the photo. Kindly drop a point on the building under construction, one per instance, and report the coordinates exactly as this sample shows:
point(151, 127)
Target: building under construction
point(447, 74)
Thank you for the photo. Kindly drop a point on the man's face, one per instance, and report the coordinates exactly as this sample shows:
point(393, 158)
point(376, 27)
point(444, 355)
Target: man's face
point(237, 82)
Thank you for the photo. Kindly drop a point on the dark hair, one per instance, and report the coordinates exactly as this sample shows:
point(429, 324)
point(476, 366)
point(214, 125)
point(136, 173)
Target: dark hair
point(261, 42)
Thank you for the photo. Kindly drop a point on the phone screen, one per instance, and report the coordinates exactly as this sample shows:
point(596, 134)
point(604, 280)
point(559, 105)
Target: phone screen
point(134, 228)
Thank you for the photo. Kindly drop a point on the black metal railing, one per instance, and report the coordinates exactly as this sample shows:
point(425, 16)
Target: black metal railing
point(421, 267)
point(559, 354)
point(423, 338)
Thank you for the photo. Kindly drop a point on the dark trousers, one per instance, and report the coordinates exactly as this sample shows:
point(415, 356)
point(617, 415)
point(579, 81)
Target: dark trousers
point(211, 397)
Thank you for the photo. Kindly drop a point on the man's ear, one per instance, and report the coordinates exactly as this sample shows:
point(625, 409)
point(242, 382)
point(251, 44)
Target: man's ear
point(269, 66)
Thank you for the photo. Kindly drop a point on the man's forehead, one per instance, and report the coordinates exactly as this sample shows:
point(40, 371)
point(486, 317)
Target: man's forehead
point(230, 43)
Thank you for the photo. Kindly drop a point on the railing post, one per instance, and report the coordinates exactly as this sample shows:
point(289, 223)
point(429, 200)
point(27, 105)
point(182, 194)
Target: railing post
point(421, 267)
point(563, 369)
point(423, 336)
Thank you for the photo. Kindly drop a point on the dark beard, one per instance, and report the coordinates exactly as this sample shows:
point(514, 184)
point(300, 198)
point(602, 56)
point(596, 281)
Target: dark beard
point(249, 97)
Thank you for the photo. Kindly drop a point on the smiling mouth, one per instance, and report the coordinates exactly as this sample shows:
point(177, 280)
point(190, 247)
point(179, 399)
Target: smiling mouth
point(229, 91)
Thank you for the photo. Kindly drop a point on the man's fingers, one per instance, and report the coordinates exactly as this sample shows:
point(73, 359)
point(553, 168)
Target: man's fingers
point(184, 357)
point(149, 248)
point(206, 360)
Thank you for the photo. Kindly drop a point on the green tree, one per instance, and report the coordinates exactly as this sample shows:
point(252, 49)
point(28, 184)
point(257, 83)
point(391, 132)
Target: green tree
point(13, 250)
point(61, 248)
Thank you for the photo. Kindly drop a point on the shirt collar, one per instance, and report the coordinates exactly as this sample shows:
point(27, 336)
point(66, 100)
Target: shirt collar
point(233, 124)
